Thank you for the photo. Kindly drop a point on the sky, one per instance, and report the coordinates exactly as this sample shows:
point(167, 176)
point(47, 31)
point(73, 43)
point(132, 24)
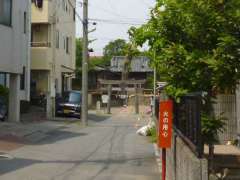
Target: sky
point(113, 18)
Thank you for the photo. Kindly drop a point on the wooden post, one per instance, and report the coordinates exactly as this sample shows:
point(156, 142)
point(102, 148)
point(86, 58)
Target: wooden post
point(109, 99)
point(136, 99)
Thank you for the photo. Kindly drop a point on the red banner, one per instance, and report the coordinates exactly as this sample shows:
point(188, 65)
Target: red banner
point(165, 124)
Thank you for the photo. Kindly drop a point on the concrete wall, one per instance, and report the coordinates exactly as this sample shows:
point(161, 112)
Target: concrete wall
point(42, 15)
point(15, 51)
point(182, 163)
point(15, 55)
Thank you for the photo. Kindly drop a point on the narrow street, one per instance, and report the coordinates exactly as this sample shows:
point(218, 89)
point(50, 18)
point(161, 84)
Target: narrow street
point(109, 149)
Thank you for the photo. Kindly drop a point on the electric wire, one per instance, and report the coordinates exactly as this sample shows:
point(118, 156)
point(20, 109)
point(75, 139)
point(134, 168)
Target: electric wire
point(113, 21)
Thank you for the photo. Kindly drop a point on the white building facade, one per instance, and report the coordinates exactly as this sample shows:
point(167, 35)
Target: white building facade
point(15, 52)
point(53, 48)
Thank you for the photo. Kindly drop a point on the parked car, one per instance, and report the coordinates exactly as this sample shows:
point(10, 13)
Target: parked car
point(3, 109)
point(69, 104)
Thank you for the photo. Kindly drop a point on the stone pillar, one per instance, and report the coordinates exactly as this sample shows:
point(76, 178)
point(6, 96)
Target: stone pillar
point(49, 106)
point(136, 99)
point(14, 98)
point(69, 84)
point(238, 112)
point(98, 107)
point(51, 96)
point(109, 99)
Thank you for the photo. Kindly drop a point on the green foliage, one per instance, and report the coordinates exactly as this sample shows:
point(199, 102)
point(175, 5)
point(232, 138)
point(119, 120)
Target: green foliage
point(197, 49)
point(114, 48)
point(149, 82)
point(211, 126)
point(196, 43)
point(97, 61)
point(153, 134)
point(175, 93)
point(4, 92)
point(78, 52)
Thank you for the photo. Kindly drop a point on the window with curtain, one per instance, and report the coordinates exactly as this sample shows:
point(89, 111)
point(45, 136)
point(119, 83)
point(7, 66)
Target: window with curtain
point(6, 12)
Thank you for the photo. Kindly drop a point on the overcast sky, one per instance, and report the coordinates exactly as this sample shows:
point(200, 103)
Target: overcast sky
point(114, 18)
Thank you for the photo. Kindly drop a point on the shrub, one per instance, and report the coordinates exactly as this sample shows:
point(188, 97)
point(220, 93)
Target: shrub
point(4, 91)
point(153, 134)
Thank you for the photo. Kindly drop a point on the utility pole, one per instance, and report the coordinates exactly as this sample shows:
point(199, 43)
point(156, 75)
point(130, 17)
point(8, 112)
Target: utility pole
point(154, 86)
point(84, 113)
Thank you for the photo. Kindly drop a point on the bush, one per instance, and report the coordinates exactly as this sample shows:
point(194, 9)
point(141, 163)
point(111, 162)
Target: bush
point(211, 126)
point(153, 134)
point(4, 91)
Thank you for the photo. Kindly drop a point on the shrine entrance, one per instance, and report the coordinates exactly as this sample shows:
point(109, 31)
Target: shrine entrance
point(123, 89)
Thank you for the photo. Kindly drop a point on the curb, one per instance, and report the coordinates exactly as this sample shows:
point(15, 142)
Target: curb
point(158, 157)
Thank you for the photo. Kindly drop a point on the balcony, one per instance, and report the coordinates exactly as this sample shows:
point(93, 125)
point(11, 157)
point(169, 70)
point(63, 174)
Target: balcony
point(42, 15)
point(41, 55)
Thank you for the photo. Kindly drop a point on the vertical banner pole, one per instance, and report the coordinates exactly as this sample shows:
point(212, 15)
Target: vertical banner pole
point(164, 164)
point(165, 131)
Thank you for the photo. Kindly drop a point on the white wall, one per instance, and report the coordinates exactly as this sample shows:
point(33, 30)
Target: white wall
point(14, 46)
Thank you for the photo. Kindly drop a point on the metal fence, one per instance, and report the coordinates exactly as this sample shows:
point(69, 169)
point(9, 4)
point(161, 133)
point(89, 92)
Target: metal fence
point(225, 104)
point(187, 122)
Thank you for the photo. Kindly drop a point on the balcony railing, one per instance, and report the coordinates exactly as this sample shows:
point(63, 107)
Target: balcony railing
point(40, 44)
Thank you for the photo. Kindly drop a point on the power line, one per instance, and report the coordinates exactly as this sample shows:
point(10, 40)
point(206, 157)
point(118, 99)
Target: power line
point(105, 10)
point(113, 21)
point(75, 11)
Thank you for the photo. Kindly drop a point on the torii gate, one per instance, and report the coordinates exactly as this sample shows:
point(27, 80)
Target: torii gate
point(122, 86)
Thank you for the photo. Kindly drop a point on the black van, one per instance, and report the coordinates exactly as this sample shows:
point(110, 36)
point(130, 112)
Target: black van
point(69, 104)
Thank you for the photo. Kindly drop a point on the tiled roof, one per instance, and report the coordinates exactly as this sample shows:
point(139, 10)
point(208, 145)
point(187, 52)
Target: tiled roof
point(138, 64)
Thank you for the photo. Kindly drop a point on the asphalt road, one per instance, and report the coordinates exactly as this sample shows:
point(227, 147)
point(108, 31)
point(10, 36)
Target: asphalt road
point(108, 149)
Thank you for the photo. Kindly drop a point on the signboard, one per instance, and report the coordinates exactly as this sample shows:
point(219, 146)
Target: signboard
point(104, 99)
point(123, 96)
point(165, 124)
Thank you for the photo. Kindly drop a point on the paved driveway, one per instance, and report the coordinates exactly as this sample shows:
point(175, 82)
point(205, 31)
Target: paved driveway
point(108, 149)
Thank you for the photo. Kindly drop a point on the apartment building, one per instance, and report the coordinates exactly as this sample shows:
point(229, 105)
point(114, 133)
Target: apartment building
point(15, 52)
point(53, 47)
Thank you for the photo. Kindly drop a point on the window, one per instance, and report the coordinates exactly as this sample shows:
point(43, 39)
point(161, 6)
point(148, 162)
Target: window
point(64, 43)
point(25, 23)
point(57, 39)
point(67, 45)
point(22, 80)
point(3, 79)
point(6, 12)
point(74, 14)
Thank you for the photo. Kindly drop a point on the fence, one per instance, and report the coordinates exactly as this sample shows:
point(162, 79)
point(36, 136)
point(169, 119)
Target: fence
point(187, 122)
point(226, 104)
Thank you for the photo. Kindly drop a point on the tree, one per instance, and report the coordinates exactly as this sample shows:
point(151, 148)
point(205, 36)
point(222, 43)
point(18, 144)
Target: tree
point(96, 61)
point(114, 48)
point(79, 52)
point(196, 43)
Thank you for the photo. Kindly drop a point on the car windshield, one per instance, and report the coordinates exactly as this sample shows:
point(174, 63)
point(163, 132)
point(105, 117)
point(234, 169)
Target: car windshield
point(72, 97)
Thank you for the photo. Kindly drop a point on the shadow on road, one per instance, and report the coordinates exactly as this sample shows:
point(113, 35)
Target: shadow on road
point(98, 118)
point(58, 135)
point(11, 142)
point(9, 165)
